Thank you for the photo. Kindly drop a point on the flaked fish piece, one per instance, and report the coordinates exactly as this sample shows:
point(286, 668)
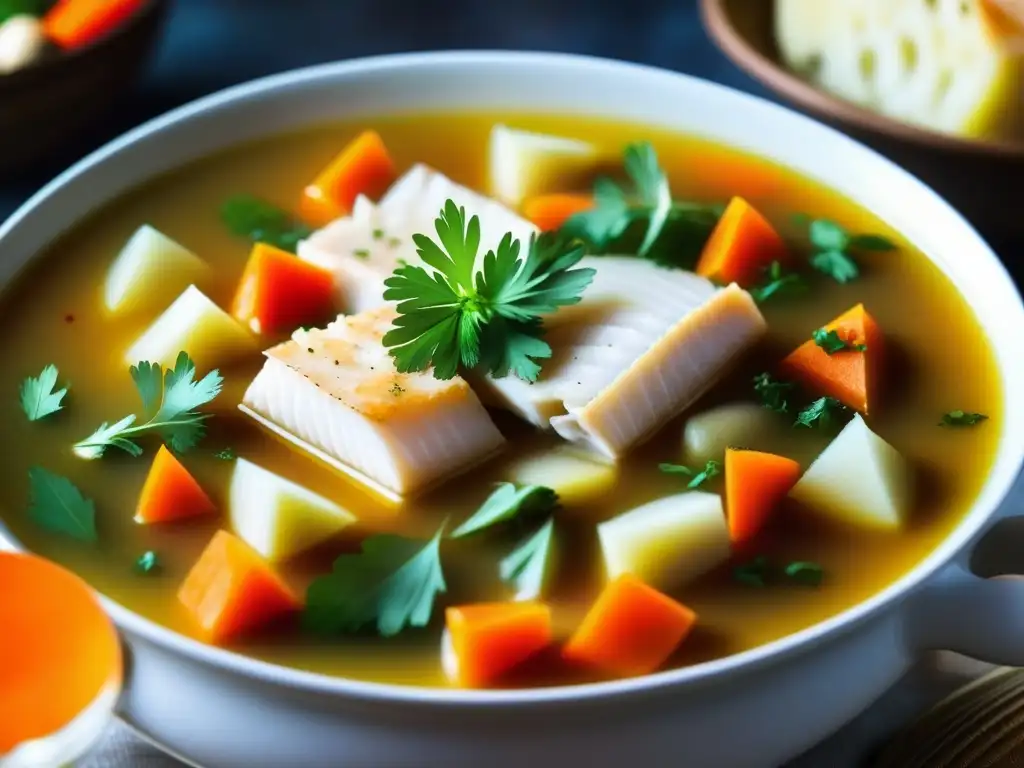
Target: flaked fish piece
point(363, 249)
point(641, 347)
point(336, 394)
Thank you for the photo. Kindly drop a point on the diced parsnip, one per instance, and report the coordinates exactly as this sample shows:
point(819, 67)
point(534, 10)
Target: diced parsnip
point(667, 542)
point(277, 517)
point(196, 325)
point(22, 42)
point(741, 247)
point(707, 434)
point(550, 212)
point(858, 479)
point(149, 272)
point(524, 163)
point(170, 492)
point(484, 642)
point(576, 476)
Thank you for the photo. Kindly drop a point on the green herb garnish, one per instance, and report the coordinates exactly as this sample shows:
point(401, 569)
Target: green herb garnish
point(529, 565)
point(38, 396)
point(261, 222)
point(171, 398)
point(753, 574)
point(832, 245)
point(459, 315)
point(832, 342)
point(805, 572)
point(821, 413)
point(11, 8)
point(711, 469)
point(961, 419)
point(759, 571)
point(225, 454)
point(56, 504)
point(148, 562)
point(777, 282)
point(773, 393)
point(392, 583)
point(506, 502)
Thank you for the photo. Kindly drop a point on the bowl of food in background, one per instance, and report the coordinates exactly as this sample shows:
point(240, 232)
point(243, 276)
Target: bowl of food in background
point(934, 84)
point(62, 65)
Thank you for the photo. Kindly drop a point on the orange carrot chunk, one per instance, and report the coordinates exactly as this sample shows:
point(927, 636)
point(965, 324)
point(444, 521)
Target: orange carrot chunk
point(364, 167)
point(490, 639)
point(77, 23)
point(851, 376)
point(170, 492)
point(755, 483)
point(631, 629)
point(232, 591)
point(279, 291)
point(742, 245)
point(550, 212)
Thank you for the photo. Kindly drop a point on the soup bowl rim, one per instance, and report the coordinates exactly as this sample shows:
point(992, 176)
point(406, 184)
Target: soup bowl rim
point(981, 511)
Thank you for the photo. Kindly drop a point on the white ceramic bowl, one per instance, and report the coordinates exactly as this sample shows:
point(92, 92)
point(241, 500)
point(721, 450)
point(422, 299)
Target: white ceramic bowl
point(752, 710)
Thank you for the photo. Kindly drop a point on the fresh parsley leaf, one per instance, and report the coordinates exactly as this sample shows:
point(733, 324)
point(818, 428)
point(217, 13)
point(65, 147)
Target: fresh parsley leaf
point(828, 236)
point(872, 243)
point(777, 282)
point(261, 222)
point(38, 397)
point(961, 419)
point(506, 502)
point(773, 393)
point(804, 572)
point(832, 245)
point(148, 562)
point(753, 574)
point(836, 265)
point(641, 164)
point(711, 469)
point(457, 315)
point(821, 413)
point(832, 342)
point(58, 506)
point(530, 564)
point(169, 398)
point(392, 583)
point(759, 571)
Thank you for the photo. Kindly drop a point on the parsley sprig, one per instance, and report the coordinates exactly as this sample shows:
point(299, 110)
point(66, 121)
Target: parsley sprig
point(456, 314)
point(56, 504)
point(508, 502)
point(40, 396)
point(832, 342)
point(530, 565)
point(261, 222)
point(778, 282)
point(962, 419)
point(833, 247)
point(697, 477)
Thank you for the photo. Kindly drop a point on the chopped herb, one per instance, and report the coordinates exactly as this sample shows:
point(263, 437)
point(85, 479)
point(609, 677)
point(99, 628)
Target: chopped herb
point(457, 314)
point(832, 245)
point(396, 389)
point(392, 583)
point(836, 265)
point(711, 469)
point(361, 253)
point(804, 572)
point(171, 398)
point(758, 572)
point(777, 282)
point(261, 222)
point(827, 235)
point(821, 413)
point(529, 565)
point(147, 562)
point(507, 502)
point(753, 574)
point(378, 234)
point(225, 454)
point(872, 243)
point(773, 393)
point(961, 419)
point(58, 506)
point(38, 397)
point(832, 342)
point(394, 242)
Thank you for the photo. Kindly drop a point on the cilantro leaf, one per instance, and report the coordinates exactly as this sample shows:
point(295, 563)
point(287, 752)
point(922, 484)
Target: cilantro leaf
point(836, 265)
point(711, 469)
point(832, 245)
point(38, 398)
point(773, 393)
point(148, 562)
point(505, 503)
point(530, 564)
point(259, 221)
point(458, 315)
point(777, 282)
point(961, 419)
point(832, 342)
point(57, 505)
point(392, 583)
point(821, 413)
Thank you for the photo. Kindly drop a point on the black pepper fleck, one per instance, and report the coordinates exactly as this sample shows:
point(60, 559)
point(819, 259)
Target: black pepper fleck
point(310, 350)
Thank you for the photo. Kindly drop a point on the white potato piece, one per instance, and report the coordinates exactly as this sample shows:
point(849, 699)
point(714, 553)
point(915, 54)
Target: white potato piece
point(576, 476)
point(668, 542)
point(858, 479)
point(22, 41)
point(277, 517)
point(195, 324)
point(707, 434)
point(524, 163)
point(149, 272)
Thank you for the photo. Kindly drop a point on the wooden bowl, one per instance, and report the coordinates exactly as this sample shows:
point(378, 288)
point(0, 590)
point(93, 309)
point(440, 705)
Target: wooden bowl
point(44, 106)
point(981, 178)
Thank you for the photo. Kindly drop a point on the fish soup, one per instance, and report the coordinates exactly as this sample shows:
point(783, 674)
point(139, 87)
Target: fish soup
point(687, 404)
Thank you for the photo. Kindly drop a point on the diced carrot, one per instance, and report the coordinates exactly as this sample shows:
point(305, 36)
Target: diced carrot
point(232, 591)
point(631, 629)
point(364, 167)
point(76, 23)
point(279, 291)
point(489, 639)
point(549, 212)
point(59, 652)
point(755, 483)
point(850, 376)
point(742, 245)
point(170, 492)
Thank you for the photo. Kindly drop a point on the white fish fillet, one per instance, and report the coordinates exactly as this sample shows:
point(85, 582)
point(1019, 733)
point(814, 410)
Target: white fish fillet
point(336, 394)
point(363, 249)
point(643, 345)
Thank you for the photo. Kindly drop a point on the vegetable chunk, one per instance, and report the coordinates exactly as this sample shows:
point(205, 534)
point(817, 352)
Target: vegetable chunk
point(755, 483)
point(844, 361)
point(170, 492)
point(76, 23)
point(742, 246)
point(484, 642)
point(550, 212)
point(630, 630)
point(859, 479)
point(279, 518)
point(364, 167)
point(279, 292)
point(667, 542)
point(231, 591)
point(575, 476)
point(524, 163)
point(709, 433)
